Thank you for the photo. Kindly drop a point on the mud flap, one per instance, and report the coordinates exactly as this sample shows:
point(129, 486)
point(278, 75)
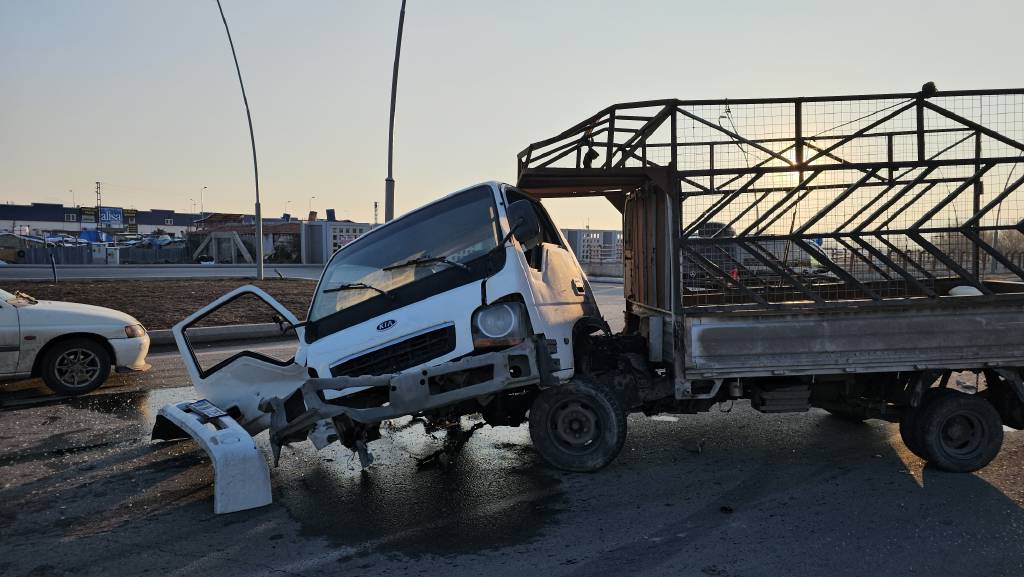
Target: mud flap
point(241, 475)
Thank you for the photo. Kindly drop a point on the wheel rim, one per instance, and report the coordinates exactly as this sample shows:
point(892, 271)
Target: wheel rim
point(575, 426)
point(962, 435)
point(77, 368)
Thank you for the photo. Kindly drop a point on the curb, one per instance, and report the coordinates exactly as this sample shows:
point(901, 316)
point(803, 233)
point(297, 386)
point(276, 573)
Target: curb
point(607, 279)
point(218, 334)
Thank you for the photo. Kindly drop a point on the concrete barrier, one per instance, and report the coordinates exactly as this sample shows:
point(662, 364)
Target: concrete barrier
point(201, 335)
point(606, 279)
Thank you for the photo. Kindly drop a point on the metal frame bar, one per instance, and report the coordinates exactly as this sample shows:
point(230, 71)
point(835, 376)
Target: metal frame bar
point(882, 157)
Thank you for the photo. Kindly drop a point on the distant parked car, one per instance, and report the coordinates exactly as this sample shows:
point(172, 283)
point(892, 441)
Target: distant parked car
point(71, 346)
point(205, 259)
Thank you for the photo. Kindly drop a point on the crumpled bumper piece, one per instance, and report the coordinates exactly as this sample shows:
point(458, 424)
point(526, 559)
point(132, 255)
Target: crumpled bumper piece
point(410, 392)
point(241, 475)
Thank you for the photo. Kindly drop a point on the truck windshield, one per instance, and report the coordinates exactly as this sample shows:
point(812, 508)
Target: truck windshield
point(446, 235)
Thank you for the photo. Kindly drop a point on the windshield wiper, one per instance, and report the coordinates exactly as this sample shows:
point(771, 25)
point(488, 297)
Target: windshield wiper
point(427, 259)
point(355, 286)
point(26, 296)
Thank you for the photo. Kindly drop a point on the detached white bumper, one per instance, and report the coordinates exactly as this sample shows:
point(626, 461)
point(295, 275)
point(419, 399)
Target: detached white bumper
point(130, 353)
point(241, 477)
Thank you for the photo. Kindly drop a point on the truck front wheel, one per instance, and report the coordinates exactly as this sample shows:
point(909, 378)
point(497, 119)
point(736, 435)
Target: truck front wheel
point(959, 432)
point(578, 426)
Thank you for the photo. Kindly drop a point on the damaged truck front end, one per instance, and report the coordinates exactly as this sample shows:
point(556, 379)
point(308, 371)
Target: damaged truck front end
point(467, 305)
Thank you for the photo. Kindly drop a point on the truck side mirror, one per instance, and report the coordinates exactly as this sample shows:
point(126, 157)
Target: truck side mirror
point(522, 217)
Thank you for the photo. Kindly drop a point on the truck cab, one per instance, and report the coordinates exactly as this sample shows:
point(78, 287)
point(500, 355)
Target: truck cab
point(478, 270)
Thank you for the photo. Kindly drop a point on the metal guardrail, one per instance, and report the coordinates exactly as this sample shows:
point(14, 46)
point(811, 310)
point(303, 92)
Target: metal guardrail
point(815, 200)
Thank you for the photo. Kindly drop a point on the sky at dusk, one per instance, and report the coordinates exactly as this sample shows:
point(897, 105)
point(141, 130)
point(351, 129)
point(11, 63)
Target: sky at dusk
point(142, 94)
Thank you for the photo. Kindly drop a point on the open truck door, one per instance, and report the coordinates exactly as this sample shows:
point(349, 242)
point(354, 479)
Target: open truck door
point(227, 416)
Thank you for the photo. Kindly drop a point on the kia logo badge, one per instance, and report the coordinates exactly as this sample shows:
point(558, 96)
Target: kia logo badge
point(385, 325)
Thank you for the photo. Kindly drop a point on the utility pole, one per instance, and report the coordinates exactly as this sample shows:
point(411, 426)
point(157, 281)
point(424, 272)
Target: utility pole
point(99, 203)
point(389, 182)
point(252, 141)
point(78, 213)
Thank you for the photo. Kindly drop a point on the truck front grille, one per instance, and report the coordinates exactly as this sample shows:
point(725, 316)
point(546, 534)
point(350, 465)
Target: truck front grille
point(399, 356)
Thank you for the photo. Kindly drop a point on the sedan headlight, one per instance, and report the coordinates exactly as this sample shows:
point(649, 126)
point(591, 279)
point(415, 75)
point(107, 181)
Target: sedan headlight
point(501, 324)
point(135, 331)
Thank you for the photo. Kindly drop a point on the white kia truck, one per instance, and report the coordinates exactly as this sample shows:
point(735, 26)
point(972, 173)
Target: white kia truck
point(860, 254)
point(470, 304)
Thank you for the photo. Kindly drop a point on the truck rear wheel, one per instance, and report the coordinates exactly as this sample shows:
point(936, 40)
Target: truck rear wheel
point(578, 426)
point(958, 432)
point(909, 431)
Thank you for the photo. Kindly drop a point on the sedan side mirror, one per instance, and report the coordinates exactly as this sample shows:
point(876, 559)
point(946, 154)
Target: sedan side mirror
point(522, 217)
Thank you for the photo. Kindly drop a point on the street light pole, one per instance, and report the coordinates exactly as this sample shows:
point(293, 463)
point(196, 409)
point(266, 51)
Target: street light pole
point(252, 141)
point(201, 194)
point(389, 182)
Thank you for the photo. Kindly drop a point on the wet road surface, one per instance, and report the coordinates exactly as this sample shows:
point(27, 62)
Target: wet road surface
point(738, 493)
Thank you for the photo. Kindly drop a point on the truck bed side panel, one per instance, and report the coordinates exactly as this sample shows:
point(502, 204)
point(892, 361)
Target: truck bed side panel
point(831, 341)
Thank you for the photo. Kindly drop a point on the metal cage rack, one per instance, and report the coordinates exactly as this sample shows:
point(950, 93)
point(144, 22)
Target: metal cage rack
point(815, 200)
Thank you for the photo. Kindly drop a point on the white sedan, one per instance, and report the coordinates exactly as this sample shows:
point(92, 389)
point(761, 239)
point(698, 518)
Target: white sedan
point(71, 346)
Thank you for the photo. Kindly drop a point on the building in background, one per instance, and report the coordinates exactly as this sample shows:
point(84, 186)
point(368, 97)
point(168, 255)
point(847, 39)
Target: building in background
point(46, 219)
point(599, 251)
point(592, 245)
point(322, 238)
point(229, 238)
point(225, 237)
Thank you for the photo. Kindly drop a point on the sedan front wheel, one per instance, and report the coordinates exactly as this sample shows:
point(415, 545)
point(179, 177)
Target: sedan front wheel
point(75, 366)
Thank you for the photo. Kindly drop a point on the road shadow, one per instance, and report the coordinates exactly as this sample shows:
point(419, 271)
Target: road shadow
point(811, 495)
point(739, 494)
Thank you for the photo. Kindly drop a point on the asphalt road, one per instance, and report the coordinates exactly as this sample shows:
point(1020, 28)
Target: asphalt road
point(732, 492)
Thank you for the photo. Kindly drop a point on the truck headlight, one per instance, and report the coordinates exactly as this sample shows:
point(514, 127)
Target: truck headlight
point(134, 331)
point(500, 324)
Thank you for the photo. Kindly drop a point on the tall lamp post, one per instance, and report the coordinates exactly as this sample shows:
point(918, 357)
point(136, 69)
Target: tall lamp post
point(252, 141)
point(389, 182)
point(202, 192)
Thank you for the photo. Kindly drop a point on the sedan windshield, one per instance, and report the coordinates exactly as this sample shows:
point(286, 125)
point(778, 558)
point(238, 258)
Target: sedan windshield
point(442, 236)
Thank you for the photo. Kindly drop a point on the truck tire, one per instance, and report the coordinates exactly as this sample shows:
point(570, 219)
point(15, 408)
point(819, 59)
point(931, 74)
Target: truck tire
point(75, 366)
point(959, 433)
point(578, 426)
point(908, 423)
